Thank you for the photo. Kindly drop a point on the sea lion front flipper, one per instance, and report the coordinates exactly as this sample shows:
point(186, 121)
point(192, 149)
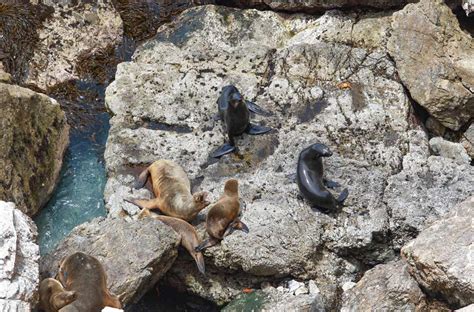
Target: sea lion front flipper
point(223, 150)
point(342, 197)
point(256, 129)
point(207, 243)
point(144, 203)
point(113, 301)
point(199, 258)
point(254, 108)
point(141, 180)
point(331, 184)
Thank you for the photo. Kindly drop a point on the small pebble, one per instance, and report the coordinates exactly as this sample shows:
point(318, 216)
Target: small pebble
point(348, 285)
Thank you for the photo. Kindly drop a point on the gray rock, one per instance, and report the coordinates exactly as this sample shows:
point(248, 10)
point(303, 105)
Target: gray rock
point(468, 6)
point(440, 258)
point(34, 137)
point(446, 149)
point(134, 254)
point(387, 287)
point(72, 41)
point(163, 102)
point(440, 77)
point(467, 141)
point(19, 256)
point(469, 308)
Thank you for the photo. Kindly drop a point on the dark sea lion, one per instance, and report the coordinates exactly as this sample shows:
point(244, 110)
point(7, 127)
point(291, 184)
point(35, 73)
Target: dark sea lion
point(311, 182)
point(85, 275)
point(172, 191)
point(53, 296)
point(234, 112)
point(189, 237)
point(223, 217)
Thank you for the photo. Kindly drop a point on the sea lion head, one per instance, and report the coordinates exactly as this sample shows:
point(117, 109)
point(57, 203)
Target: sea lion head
point(68, 265)
point(200, 200)
point(320, 150)
point(233, 95)
point(231, 187)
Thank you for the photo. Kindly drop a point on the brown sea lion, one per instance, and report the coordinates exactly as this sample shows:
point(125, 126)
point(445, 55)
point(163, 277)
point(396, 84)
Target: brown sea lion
point(172, 191)
point(223, 218)
point(53, 296)
point(189, 237)
point(85, 275)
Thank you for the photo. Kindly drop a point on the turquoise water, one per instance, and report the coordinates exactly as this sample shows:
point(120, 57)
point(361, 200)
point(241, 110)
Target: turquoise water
point(78, 197)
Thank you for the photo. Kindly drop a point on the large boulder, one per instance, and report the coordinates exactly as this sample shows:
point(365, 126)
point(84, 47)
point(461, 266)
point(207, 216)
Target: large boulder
point(134, 254)
point(434, 60)
point(295, 67)
point(73, 42)
point(19, 256)
point(440, 258)
point(387, 287)
point(34, 137)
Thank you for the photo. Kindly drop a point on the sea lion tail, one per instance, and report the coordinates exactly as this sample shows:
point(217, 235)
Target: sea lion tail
point(343, 196)
point(142, 178)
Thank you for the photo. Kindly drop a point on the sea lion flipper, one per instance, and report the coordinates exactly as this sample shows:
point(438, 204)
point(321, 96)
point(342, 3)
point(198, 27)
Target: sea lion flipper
point(206, 244)
point(256, 129)
point(144, 203)
point(141, 180)
point(223, 150)
point(331, 184)
point(199, 258)
point(254, 108)
point(236, 225)
point(342, 197)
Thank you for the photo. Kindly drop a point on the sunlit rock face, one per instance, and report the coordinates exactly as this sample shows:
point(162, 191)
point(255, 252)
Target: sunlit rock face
point(326, 79)
point(35, 135)
point(19, 256)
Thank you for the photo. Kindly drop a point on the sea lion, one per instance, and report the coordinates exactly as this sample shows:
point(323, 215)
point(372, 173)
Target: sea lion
point(223, 217)
point(53, 296)
point(309, 176)
point(85, 275)
point(234, 112)
point(172, 189)
point(189, 237)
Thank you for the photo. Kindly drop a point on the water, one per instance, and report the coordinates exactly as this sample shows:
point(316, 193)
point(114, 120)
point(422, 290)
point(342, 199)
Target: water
point(78, 197)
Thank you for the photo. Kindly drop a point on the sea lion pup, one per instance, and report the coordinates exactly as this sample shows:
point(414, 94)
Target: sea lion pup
point(85, 275)
point(223, 217)
point(310, 179)
point(234, 112)
point(189, 237)
point(53, 296)
point(172, 189)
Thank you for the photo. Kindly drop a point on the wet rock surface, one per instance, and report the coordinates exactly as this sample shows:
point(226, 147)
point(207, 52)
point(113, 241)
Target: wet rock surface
point(386, 287)
point(440, 258)
point(34, 139)
point(134, 254)
point(320, 87)
point(19, 256)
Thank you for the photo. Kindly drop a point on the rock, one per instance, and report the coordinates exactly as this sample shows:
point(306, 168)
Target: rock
point(467, 141)
point(19, 256)
point(440, 258)
point(109, 309)
point(73, 43)
point(294, 285)
point(441, 78)
point(469, 308)
point(426, 188)
point(134, 254)
point(468, 6)
point(4, 77)
point(165, 110)
point(34, 137)
point(387, 287)
point(348, 285)
point(311, 6)
point(446, 149)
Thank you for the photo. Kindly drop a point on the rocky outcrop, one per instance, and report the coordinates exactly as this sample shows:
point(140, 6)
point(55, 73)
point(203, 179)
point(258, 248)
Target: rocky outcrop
point(434, 60)
point(467, 141)
point(387, 287)
point(134, 255)
point(320, 87)
point(34, 137)
point(19, 256)
point(440, 258)
point(73, 42)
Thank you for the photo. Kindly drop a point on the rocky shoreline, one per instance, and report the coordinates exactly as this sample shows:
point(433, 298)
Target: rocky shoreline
point(353, 79)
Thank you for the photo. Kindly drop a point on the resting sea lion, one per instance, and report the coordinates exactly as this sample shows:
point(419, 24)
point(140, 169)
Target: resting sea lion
point(223, 218)
point(85, 275)
point(234, 111)
point(189, 237)
point(172, 189)
point(309, 177)
point(53, 296)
